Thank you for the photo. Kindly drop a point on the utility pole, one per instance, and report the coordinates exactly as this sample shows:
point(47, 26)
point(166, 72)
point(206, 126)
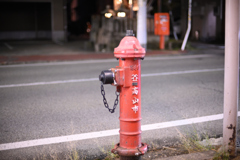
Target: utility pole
point(189, 25)
point(142, 23)
point(231, 77)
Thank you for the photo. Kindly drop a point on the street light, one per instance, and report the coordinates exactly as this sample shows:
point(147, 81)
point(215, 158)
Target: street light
point(121, 12)
point(108, 13)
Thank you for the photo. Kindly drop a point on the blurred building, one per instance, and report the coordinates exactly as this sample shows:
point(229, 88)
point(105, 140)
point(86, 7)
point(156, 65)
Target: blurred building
point(60, 20)
point(208, 20)
point(33, 19)
point(47, 19)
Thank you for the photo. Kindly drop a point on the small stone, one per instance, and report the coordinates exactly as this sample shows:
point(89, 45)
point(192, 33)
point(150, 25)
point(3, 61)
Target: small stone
point(212, 141)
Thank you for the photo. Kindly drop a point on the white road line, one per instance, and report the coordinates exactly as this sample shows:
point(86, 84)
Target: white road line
point(60, 63)
point(107, 61)
point(180, 57)
point(48, 83)
point(91, 135)
point(54, 140)
point(96, 79)
point(181, 72)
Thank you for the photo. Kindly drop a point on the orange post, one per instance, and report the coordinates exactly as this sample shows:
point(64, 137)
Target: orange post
point(127, 78)
point(162, 42)
point(161, 27)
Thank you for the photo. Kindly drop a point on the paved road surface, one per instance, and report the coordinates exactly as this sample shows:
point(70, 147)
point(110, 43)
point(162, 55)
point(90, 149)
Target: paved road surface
point(62, 101)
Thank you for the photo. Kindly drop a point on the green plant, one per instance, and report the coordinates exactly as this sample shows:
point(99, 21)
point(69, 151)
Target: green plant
point(110, 155)
point(153, 146)
point(221, 156)
point(54, 156)
point(192, 142)
point(73, 155)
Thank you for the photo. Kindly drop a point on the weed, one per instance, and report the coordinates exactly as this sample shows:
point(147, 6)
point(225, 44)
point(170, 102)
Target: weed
point(153, 146)
point(110, 155)
point(192, 142)
point(221, 156)
point(73, 155)
point(54, 156)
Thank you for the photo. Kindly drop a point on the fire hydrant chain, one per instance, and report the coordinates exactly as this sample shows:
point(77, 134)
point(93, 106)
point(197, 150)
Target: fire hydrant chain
point(105, 100)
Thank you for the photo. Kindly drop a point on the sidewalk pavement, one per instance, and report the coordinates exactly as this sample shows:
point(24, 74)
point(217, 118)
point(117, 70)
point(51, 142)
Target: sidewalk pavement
point(206, 155)
point(17, 52)
point(15, 59)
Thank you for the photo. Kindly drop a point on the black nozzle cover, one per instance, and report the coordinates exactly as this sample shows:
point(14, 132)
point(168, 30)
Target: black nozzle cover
point(106, 77)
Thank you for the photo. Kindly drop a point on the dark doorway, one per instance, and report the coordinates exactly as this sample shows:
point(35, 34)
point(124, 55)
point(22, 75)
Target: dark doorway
point(25, 20)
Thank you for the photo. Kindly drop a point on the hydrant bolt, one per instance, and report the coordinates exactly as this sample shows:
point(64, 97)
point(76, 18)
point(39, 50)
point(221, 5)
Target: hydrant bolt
point(129, 33)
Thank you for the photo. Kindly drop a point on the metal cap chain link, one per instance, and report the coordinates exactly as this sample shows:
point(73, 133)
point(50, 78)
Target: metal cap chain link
point(105, 100)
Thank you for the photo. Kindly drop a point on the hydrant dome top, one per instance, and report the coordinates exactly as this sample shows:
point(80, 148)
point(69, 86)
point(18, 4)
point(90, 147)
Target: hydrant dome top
point(129, 47)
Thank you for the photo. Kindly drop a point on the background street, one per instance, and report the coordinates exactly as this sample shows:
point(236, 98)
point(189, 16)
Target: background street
point(46, 100)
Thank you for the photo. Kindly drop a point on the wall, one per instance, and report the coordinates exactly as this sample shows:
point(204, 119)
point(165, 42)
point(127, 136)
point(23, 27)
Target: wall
point(33, 19)
point(58, 21)
point(205, 21)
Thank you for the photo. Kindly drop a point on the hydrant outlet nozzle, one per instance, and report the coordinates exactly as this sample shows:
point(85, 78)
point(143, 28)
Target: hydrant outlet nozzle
point(106, 77)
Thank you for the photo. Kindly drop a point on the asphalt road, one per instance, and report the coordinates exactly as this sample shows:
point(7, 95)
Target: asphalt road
point(48, 100)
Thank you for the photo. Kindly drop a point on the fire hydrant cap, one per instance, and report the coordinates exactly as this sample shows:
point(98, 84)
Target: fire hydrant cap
point(129, 47)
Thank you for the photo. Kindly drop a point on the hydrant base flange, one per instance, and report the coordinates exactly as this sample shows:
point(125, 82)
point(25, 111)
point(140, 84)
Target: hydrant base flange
point(126, 152)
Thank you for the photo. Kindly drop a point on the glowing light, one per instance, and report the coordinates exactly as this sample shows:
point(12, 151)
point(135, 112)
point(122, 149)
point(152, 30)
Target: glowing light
point(135, 8)
point(119, 1)
point(121, 14)
point(108, 15)
point(130, 2)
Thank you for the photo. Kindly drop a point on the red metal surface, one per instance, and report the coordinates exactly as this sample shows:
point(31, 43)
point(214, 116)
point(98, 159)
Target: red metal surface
point(129, 47)
point(126, 152)
point(130, 126)
point(128, 78)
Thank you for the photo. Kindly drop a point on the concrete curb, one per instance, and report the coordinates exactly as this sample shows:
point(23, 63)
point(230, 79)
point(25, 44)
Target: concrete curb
point(207, 155)
point(17, 59)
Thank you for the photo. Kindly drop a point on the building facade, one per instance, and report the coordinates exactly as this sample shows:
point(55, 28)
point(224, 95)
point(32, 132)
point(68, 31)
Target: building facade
point(33, 19)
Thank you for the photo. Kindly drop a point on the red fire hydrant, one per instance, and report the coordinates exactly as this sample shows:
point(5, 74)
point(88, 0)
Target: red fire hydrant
point(127, 78)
